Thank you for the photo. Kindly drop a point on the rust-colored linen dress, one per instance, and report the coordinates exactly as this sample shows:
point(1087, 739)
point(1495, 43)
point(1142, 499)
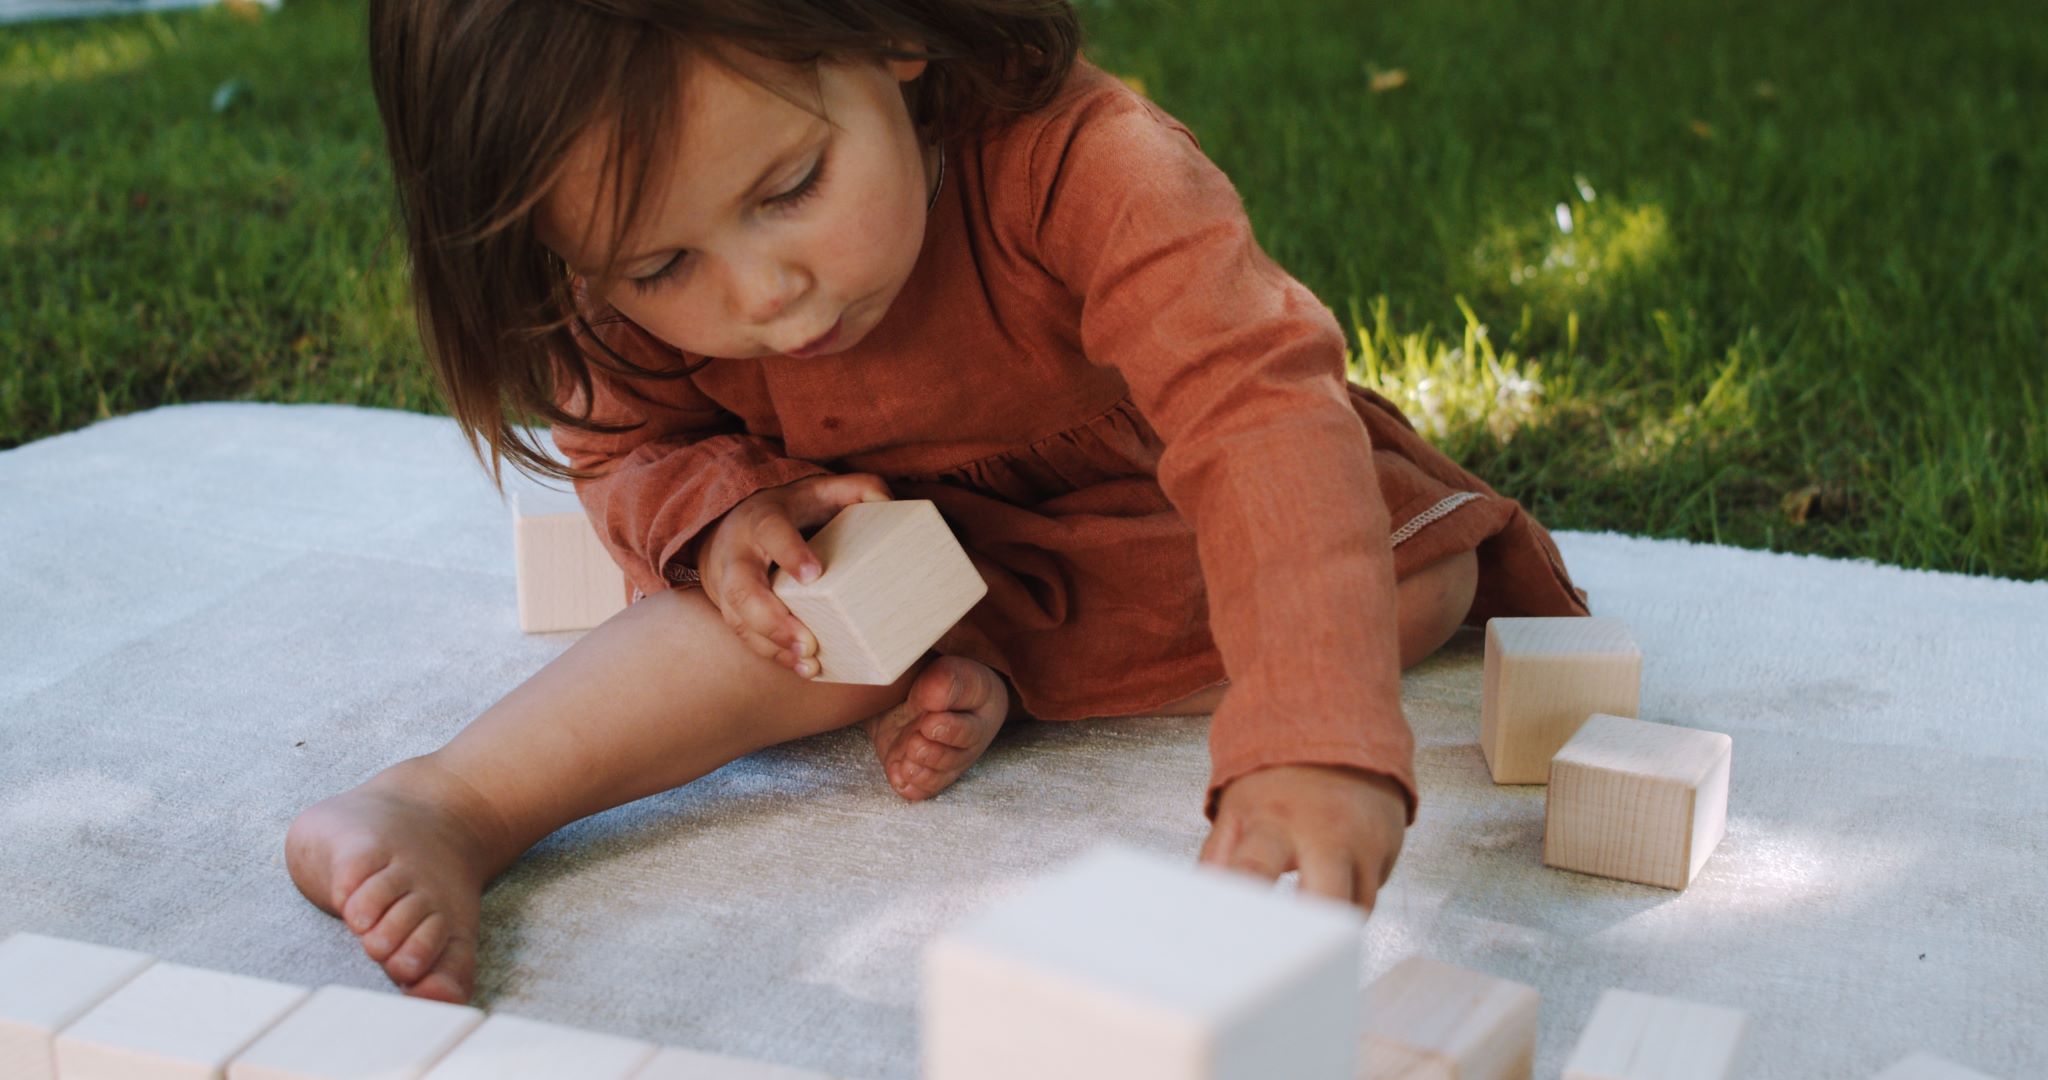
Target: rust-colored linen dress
point(1138, 425)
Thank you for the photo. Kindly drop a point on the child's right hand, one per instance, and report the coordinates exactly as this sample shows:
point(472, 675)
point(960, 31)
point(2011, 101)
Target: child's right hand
point(766, 529)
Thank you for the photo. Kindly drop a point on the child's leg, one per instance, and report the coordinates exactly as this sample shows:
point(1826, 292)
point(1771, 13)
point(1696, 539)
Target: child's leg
point(659, 695)
point(1433, 603)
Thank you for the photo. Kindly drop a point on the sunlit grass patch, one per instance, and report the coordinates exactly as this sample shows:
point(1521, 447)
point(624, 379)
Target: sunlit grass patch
point(1452, 389)
point(1574, 255)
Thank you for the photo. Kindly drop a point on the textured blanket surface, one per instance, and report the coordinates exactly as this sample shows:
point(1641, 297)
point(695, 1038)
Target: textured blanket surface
point(214, 615)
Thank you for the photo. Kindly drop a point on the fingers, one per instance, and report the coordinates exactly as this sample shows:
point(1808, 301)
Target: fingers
point(765, 531)
point(1266, 851)
point(763, 624)
point(813, 501)
point(739, 576)
point(1260, 851)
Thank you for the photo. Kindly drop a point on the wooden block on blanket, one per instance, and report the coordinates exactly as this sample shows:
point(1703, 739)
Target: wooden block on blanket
point(1929, 1067)
point(1644, 1037)
point(1427, 1020)
point(1638, 801)
point(1543, 678)
point(1130, 965)
point(172, 1021)
point(342, 1033)
point(676, 1063)
point(508, 1047)
point(566, 580)
point(45, 984)
point(895, 580)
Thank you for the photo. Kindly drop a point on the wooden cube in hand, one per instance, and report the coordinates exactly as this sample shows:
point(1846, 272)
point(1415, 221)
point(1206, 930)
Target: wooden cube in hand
point(894, 581)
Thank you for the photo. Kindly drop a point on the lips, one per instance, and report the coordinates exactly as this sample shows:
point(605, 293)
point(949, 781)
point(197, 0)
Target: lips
point(825, 339)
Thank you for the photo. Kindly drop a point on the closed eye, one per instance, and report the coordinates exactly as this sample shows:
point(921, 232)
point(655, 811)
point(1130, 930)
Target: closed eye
point(788, 200)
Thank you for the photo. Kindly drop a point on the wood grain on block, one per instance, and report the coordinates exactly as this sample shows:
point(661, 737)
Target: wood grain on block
point(1644, 1037)
point(566, 580)
point(676, 1063)
point(507, 1047)
point(1543, 678)
point(1130, 965)
point(1929, 1067)
point(342, 1033)
point(45, 984)
point(172, 1021)
point(1638, 801)
point(1427, 1020)
point(895, 580)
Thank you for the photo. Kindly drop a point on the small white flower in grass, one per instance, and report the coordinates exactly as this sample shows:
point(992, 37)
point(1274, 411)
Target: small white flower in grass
point(1585, 189)
point(1564, 219)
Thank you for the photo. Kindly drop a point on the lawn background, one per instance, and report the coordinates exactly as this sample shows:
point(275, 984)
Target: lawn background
point(1760, 274)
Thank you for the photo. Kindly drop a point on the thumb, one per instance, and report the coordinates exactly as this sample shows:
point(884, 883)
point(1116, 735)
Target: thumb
point(822, 497)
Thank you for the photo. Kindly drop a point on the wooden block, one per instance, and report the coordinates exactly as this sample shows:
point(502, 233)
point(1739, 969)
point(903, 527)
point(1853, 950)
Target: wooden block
point(514, 1048)
point(1129, 965)
point(1426, 1020)
point(45, 984)
point(895, 580)
point(1929, 1067)
point(566, 579)
point(1637, 801)
point(1644, 1037)
point(676, 1063)
point(1543, 678)
point(172, 1021)
point(342, 1033)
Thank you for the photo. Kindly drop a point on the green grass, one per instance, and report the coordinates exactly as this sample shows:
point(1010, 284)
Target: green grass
point(1801, 305)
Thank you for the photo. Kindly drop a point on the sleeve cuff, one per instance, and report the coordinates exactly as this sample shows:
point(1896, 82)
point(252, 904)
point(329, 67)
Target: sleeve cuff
point(1340, 755)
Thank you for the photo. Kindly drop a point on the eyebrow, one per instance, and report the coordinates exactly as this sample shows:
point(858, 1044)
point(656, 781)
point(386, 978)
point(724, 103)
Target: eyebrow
point(775, 165)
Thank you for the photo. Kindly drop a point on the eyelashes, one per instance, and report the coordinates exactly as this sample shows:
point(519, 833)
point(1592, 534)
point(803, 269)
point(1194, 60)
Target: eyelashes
point(787, 201)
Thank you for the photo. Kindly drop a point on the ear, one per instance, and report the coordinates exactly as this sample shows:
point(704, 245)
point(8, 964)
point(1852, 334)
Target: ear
point(906, 70)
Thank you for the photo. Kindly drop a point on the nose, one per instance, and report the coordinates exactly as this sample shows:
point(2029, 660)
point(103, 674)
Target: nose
point(765, 287)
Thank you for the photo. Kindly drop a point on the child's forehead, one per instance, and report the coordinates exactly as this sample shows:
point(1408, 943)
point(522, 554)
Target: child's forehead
point(724, 128)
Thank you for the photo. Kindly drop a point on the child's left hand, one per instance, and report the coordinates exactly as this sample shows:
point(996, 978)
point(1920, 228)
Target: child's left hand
point(1340, 827)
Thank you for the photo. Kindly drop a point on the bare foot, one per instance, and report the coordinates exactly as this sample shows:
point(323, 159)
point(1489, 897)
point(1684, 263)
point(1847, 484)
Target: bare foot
point(953, 711)
point(402, 860)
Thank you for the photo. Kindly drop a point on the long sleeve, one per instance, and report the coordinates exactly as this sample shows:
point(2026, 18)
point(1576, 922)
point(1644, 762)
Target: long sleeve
point(686, 465)
point(1240, 369)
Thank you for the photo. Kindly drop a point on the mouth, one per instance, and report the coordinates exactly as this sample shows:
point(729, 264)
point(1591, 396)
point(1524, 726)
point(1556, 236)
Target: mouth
point(823, 341)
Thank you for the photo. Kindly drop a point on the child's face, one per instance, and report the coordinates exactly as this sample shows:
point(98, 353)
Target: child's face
point(718, 268)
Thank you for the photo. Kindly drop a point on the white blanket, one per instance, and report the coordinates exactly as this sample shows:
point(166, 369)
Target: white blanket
point(214, 615)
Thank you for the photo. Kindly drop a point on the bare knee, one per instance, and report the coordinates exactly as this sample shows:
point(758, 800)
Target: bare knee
point(1433, 603)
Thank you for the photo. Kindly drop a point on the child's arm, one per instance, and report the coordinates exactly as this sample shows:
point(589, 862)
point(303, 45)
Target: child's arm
point(668, 481)
point(1241, 370)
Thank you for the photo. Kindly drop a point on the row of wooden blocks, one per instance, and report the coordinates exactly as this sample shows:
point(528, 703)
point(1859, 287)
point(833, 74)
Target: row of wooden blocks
point(895, 580)
point(1121, 965)
point(80, 1011)
point(1127, 965)
point(1627, 798)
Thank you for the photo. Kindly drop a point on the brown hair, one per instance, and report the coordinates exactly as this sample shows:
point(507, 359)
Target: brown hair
point(479, 114)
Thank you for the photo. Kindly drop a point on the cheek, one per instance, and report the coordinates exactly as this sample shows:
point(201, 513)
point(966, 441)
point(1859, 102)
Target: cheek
point(880, 230)
point(667, 318)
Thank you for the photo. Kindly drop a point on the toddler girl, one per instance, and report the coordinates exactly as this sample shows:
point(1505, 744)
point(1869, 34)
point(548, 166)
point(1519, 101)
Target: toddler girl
point(758, 261)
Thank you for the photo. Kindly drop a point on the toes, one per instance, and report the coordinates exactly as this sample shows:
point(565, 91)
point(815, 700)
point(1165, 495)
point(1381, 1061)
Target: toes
point(396, 926)
point(367, 903)
point(943, 685)
point(453, 975)
point(920, 750)
point(945, 730)
point(416, 957)
point(352, 871)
